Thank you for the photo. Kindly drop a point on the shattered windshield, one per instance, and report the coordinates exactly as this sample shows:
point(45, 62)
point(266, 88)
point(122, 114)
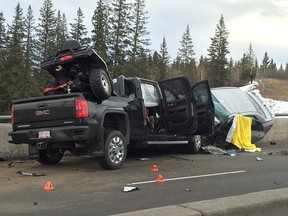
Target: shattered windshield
point(221, 113)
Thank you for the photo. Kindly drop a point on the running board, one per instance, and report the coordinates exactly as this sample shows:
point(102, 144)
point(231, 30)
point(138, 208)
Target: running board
point(166, 142)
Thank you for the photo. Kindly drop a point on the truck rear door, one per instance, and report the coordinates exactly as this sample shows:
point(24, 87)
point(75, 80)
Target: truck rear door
point(178, 111)
point(205, 108)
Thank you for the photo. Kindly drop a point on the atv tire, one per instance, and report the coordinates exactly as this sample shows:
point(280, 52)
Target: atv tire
point(100, 84)
point(50, 156)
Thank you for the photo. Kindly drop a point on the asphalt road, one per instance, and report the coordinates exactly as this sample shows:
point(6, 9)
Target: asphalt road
point(83, 188)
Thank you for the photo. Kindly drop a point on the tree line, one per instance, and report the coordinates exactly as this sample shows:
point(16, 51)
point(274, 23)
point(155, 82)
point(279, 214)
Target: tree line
point(119, 34)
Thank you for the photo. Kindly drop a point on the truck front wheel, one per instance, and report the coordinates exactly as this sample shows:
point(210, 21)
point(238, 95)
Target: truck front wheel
point(50, 156)
point(194, 144)
point(115, 150)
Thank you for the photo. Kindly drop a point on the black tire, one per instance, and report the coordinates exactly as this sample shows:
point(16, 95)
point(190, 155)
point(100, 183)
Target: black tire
point(50, 156)
point(100, 84)
point(194, 144)
point(115, 150)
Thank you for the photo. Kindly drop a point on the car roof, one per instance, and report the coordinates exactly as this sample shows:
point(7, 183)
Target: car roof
point(234, 100)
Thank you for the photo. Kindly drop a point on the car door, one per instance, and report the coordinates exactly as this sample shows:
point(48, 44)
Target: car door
point(204, 108)
point(178, 114)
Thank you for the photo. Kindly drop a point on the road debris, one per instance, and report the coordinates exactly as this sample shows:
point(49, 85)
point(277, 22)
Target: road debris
point(42, 173)
point(129, 188)
point(258, 159)
point(143, 159)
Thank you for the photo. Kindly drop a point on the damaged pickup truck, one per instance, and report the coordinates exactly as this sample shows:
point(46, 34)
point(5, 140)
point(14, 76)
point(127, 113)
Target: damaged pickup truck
point(87, 113)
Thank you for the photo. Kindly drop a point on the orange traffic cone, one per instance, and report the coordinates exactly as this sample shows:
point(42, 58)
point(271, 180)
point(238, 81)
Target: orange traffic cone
point(154, 168)
point(48, 186)
point(160, 179)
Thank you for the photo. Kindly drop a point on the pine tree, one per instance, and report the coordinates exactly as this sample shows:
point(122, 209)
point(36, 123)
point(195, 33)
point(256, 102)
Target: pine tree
point(12, 85)
point(30, 67)
point(218, 72)
point(202, 68)
point(46, 31)
point(248, 70)
point(3, 101)
point(264, 66)
point(139, 33)
point(186, 56)
point(164, 60)
point(61, 30)
point(119, 42)
point(78, 30)
point(100, 32)
point(186, 52)
point(30, 54)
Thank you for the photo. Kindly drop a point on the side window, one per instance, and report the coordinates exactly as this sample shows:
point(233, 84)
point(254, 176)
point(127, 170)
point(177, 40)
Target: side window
point(174, 90)
point(150, 95)
point(200, 94)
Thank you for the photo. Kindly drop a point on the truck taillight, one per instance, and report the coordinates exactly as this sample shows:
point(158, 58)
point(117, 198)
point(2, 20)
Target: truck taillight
point(81, 108)
point(65, 58)
point(12, 115)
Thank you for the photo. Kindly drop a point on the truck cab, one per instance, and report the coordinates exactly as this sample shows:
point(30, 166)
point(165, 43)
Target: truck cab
point(167, 112)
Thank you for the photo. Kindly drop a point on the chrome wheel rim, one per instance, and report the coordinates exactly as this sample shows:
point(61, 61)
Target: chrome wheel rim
point(116, 150)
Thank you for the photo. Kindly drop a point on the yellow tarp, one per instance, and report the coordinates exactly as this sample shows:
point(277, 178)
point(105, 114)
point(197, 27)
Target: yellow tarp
point(240, 133)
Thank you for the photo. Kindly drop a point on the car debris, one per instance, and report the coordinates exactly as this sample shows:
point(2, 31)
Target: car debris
point(129, 188)
point(42, 173)
point(258, 159)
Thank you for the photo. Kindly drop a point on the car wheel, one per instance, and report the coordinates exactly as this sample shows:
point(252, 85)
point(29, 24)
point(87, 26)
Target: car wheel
point(194, 144)
point(50, 156)
point(115, 150)
point(100, 84)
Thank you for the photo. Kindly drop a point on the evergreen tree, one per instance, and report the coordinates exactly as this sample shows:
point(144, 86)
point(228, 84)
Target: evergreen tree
point(264, 66)
point(12, 85)
point(100, 32)
point(2, 39)
point(119, 42)
point(46, 31)
point(30, 67)
point(139, 32)
point(78, 30)
point(186, 52)
point(248, 70)
point(154, 66)
point(186, 56)
point(164, 60)
point(3, 84)
point(61, 30)
point(218, 72)
point(202, 68)
point(30, 52)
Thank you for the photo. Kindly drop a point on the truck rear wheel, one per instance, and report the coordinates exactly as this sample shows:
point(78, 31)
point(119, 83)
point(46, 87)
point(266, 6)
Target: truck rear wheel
point(100, 84)
point(194, 144)
point(115, 150)
point(50, 156)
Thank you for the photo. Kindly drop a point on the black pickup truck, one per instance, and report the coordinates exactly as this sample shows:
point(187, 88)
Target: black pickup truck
point(139, 112)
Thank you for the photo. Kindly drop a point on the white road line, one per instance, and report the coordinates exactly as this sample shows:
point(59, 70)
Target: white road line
point(189, 177)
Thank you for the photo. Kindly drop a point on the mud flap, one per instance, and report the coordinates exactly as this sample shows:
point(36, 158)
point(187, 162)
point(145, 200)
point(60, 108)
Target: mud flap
point(33, 152)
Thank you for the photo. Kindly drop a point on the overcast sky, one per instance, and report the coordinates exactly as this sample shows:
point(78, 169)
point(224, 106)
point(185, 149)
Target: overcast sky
point(263, 23)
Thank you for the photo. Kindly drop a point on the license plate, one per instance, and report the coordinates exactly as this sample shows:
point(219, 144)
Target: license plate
point(44, 134)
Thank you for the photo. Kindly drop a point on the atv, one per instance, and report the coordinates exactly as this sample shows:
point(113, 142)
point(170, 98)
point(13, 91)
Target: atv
point(78, 68)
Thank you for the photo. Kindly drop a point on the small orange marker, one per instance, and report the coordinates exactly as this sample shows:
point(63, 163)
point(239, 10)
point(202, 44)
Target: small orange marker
point(154, 168)
point(48, 186)
point(160, 179)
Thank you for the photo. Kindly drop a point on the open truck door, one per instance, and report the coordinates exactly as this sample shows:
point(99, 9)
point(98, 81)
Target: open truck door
point(204, 108)
point(178, 109)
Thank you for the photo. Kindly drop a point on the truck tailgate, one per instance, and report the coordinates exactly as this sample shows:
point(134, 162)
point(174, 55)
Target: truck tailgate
point(55, 110)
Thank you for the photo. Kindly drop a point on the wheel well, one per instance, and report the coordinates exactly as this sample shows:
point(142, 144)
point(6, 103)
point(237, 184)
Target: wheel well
point(117, 121)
